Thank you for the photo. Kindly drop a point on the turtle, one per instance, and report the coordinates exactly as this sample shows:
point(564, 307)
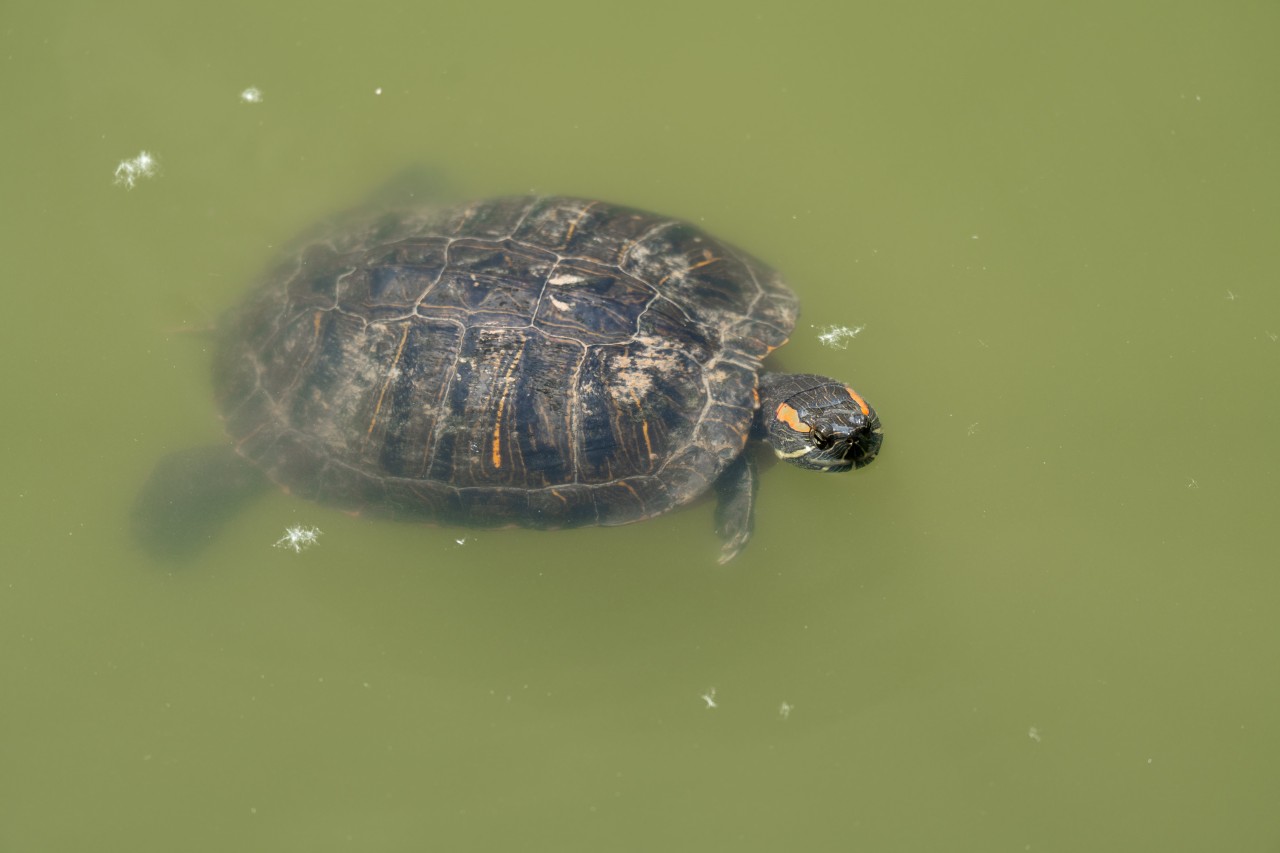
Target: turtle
point(534, 361)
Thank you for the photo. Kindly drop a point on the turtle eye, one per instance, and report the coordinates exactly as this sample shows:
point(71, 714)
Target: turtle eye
point(822, 439)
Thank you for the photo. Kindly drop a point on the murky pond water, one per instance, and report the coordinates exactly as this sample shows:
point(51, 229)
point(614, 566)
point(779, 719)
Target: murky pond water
point(1041, 621)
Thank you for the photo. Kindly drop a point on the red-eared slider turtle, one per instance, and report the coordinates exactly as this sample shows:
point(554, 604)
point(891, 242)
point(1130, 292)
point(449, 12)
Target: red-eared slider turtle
point(532, 361)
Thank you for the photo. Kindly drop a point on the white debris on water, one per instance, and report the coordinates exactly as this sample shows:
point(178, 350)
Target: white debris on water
point(710, 698)
point(129, 172)
point(784, 711)
point(299, 538)
point(1034, 734)
point(838, 337)
point(252, 95)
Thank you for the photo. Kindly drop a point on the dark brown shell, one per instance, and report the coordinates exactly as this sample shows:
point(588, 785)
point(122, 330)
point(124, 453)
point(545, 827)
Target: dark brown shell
point(544, 362)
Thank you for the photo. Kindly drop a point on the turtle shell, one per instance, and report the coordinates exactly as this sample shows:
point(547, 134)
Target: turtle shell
point(545, 362)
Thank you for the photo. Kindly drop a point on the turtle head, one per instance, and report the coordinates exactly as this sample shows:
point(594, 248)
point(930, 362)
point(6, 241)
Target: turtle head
point(818, 423)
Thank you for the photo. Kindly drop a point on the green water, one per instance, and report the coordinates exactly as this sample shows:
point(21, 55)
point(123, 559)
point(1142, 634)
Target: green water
point(1044, 620)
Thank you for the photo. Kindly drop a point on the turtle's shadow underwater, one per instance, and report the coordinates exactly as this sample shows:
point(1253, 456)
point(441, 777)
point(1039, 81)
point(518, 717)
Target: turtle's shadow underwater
point(533, 361)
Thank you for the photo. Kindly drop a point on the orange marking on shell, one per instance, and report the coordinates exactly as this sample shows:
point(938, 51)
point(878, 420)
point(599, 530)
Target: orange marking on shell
point(497, 437)
point(496, 454)
point(644, 423)
point(573, 226)
point(862, 404)
point(791, 418)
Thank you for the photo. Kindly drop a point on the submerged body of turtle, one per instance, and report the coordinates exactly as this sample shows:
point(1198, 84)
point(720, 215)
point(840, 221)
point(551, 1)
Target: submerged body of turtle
point(534, 361)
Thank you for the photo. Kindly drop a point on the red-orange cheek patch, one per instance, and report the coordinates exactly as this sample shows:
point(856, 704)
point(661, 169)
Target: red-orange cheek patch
point(862, 404)
point(791, 418)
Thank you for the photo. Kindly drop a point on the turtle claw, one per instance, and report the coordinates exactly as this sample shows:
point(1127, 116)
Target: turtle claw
point(729, 550)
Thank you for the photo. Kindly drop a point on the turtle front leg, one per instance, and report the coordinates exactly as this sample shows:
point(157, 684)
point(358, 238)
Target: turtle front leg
point(736, 495)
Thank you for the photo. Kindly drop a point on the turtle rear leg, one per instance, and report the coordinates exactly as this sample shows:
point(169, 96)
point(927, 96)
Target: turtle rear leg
point(188, 497)
point(736, 495)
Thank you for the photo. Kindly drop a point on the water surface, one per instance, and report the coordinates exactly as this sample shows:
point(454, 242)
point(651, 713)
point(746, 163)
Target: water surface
point(1043, 620)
